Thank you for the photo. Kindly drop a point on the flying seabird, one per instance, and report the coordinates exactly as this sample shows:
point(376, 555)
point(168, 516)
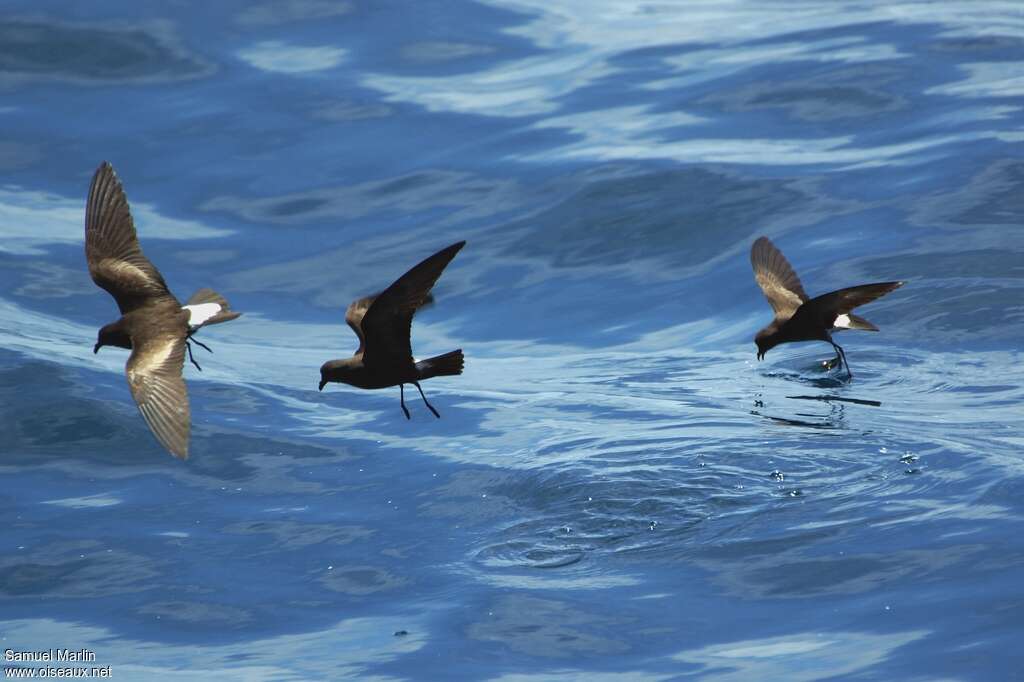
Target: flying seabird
point(383, 324)
point(154, 325)
point(798, 318)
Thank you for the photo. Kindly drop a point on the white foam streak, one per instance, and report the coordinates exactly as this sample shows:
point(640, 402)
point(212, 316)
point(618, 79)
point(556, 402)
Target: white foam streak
point(30, 220)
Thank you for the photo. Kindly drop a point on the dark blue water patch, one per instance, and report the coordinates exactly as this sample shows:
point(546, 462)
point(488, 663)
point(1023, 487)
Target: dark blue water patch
point(17, 155)
point(656, 215)
point(199, 526)
point(44, 51)
point(827, 93)
point(434, 38)
point(427, 195)
point(276, 15)
point(989, 195)
point(993, 47)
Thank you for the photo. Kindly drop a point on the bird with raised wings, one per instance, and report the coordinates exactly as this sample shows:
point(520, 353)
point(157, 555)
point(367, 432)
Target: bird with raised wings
point(383, 324)
point(799, 318)
point(154, 325)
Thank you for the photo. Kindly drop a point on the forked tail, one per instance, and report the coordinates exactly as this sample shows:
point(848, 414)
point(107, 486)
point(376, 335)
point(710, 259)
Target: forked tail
point(445, 365)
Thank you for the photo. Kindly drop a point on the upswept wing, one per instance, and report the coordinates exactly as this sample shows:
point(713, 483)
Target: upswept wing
point(116, 262)
point(354, 316)
point(387, 323)
point(154, 377)
point(777, 279)
point(357, 308)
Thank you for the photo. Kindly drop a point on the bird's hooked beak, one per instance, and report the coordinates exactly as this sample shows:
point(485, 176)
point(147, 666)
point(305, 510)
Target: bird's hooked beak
point(323, 382)
point(760, 354)
point(96, 348)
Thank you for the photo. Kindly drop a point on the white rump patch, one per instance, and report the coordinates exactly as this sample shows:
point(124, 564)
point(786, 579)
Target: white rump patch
point(198, 313)
point(842, 322)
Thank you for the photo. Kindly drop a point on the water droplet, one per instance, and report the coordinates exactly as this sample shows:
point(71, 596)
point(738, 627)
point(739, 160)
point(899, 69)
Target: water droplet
point(653, 525)
point(777, 475)
point(908, 457)
point(883, 450)
point(330, 568)
point(912, 471)
point(566, 529)
point(795, 493)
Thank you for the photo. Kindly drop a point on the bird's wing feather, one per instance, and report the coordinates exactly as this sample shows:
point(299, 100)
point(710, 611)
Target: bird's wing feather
point(387, 323)
point(357, 308)
point(824, 309)
point(116, 262)
point(777, 279)
point(354, 316)
point(154, 377)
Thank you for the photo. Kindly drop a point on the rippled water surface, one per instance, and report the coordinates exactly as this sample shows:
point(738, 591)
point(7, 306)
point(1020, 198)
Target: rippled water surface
point(617, 489)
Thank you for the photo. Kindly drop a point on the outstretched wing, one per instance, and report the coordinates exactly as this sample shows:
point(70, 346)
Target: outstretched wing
point(777, 279)
point(112, 250)
point(823, 310)
point(154, 377)
point(387, 322)
point(357, 309)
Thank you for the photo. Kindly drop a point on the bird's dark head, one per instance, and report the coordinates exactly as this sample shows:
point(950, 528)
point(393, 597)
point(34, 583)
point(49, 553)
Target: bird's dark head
point(112, 335)
point(765, 341)
point(335, 370)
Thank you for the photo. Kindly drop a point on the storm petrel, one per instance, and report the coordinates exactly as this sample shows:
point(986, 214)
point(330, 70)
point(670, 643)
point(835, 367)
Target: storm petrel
point(383, 324)
point(154, 325)
point(798, 318)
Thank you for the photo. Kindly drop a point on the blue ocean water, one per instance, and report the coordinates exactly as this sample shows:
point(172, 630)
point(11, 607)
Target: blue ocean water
point(617, 489)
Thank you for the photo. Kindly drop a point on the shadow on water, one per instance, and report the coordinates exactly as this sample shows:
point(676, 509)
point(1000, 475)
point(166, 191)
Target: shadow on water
point(836, 398)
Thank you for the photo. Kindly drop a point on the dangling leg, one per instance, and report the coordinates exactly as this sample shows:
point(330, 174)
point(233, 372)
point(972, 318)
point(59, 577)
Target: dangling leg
point(401, 387)
point(841, 354)
point(188, 347)
point(199, 343)
point(417, 385)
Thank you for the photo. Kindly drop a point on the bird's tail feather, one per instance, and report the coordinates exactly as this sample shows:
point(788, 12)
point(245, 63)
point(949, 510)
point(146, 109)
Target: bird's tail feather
point(207, 295)
point(858, 322)
point(449, 364)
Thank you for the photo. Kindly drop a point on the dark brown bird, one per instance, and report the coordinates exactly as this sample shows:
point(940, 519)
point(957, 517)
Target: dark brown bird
point(153, 325)
point(383, 324)
point(798, 318)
